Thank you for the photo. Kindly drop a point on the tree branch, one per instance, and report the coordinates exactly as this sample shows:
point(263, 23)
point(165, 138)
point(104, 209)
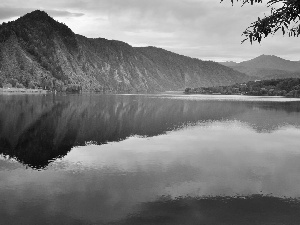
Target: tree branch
point(285, 18)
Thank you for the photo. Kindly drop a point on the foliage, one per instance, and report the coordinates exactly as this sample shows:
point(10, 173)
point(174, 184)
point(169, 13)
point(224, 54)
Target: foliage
point(211, 73)
point(31, 85)
point(1, 82)
point(18, 85)
point(277, 87)
point(74, 88)
point(52, 56)
point(13, 82)
point(7, 85)
point(36, 32)
point(38, 24)
point(58, 85)
point(285, 18)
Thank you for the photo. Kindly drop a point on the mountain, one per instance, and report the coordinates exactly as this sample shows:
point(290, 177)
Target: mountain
point(272, 62)
point(267, 67)
point(37, 51)
point(229, 63)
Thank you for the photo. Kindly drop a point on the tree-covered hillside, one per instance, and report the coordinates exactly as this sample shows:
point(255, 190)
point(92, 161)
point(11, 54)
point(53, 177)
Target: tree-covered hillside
point(276, 87)
point(267, 67)
point(28, 52)
point(38, 52)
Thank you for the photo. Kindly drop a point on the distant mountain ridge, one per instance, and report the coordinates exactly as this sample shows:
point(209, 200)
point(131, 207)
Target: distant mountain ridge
point(37, 51)
point(267, 67)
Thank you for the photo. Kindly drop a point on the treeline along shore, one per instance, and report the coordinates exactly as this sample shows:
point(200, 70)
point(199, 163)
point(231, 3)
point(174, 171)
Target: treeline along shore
point(14, 86)
point(289, 87)
point(22, 90)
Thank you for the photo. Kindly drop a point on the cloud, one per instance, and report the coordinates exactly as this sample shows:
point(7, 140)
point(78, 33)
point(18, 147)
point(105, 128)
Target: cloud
point(206, 29)
point(58, 13)
point(10, 12)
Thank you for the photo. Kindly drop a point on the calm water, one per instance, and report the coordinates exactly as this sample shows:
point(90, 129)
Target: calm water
point(149, 159)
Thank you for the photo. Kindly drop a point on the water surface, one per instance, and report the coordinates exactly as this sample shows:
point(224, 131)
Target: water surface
point(149, 159)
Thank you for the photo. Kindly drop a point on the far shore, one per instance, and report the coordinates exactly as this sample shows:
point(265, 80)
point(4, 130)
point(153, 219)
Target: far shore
point(22, 91)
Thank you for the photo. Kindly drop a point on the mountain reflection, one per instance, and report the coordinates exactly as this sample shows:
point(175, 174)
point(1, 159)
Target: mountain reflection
point(37, 129)
point(217, 210)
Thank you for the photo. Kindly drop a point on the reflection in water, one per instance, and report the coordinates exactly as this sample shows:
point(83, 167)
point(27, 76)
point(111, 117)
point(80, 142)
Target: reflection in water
point(248, 210)
point(166, 161)
point(38, 129)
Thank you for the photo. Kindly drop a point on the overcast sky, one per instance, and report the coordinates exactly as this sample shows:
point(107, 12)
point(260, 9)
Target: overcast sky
point(205, 29)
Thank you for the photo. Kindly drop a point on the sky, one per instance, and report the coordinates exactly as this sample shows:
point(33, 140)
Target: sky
point(204, 29)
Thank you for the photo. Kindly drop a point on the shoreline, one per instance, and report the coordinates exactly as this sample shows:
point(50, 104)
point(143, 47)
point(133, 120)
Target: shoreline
point(22, 91)
point(220, 94)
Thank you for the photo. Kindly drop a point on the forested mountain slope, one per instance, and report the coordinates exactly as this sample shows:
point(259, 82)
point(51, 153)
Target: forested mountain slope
point(37, 51)
point(267, 67)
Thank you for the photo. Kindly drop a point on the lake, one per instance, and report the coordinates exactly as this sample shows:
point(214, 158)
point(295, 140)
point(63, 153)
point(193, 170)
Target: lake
point(149, 159)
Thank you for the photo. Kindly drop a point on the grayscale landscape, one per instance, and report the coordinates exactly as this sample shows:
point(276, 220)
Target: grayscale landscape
point(137, 112)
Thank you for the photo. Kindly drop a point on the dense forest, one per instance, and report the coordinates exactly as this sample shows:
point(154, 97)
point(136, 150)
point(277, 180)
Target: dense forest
point(34, 34)
point(289, 87)
point(38, 52)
